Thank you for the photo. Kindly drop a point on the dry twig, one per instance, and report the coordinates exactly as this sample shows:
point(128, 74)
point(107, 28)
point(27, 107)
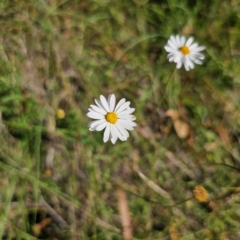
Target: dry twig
point(124, 212)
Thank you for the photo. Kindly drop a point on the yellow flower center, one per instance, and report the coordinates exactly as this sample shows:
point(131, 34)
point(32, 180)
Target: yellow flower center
point(111, 117)
point(185, 50)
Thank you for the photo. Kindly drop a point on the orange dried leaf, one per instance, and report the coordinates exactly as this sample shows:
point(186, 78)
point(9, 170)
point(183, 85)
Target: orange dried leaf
point(182, 128)
point(173, 114)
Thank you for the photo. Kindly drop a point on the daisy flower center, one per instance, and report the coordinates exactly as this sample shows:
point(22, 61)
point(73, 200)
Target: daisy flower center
point(184, 50)
point(111, 117)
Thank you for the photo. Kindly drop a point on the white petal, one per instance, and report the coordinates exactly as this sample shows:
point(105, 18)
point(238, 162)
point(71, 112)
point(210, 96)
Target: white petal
point(128, 111)
point(195, 60)
point(188, 64)
point(183, 40)
point(119, 134)
point(169, 49)
point(179, 63)
point(93, 124)
point(113, 140)
point(101, 126)
point(198, 56)
point(125, 116)
point(186, 67)
point(172, 56)
point(173, 42)
point(189, 41)
point(193, 47)
point(178, 40)
point(122, 101)
point(178, 58)
point(123, 107)
point(123, 131)
point(114, 136)
point(127, 124)
point(106, 133)
point(112, 102)
point(123, 137)
point(172, 46)
point(95, 115)
point(113, 131)
point(98, 102)
point(133, 117)
point(104, 103)
point(197, 49)
point(98, 109)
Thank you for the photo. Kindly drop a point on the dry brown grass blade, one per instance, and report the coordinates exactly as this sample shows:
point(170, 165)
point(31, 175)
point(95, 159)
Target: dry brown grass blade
point(154, 186)
point(124, 212)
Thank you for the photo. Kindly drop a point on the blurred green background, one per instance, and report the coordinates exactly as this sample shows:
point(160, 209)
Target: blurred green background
point(59, 180)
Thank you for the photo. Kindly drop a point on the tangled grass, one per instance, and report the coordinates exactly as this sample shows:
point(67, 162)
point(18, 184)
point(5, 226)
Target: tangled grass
point(59, 180)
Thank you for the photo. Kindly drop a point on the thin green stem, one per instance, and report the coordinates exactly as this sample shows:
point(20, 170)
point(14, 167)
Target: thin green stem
point(167, 86)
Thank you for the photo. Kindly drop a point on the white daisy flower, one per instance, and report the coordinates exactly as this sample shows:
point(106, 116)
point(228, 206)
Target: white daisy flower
point(184, 52)
point(115, 119)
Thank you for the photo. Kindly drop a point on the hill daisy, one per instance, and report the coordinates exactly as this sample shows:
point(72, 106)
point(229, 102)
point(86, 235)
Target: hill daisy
point(184, 52)
point(115, 119)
